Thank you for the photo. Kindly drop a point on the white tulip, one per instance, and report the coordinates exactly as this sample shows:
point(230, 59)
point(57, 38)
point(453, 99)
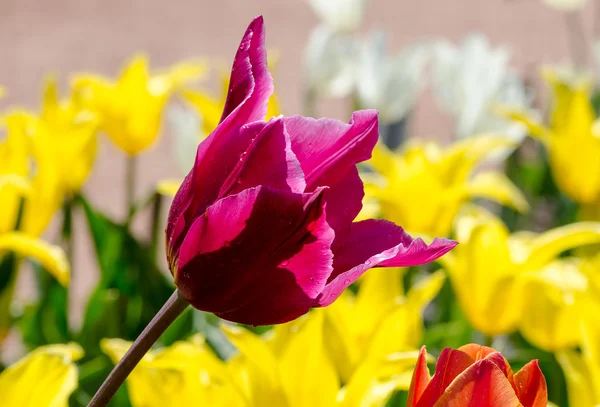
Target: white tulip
point(469, 80)
point(390, 84)
point(340, 15)
point(186, 127)
point(330, 62)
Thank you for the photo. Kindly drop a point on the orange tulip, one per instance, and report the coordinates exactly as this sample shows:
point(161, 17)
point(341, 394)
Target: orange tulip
point(476, 376)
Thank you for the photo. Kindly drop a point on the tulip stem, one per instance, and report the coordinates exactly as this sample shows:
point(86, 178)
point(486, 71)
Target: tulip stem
point(174, 306)
point(130, 175)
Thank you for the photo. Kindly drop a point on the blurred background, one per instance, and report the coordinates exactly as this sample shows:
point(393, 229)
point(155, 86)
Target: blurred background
point(65, 37)
point(451, 62)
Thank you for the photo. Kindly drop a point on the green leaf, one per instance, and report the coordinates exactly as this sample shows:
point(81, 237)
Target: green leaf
point(46, 321)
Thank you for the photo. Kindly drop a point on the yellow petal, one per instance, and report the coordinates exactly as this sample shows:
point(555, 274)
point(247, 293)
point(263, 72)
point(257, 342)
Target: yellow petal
point(185, 373)
point(583, 384)
point(44, 378)
point(52, 258)
point(209, 108)
point(168, 187)
point(535, 128)
point(307, 374)
point(258, 364)
point(497, 187)
point(551, 317)
point(19, 183)
point(550, 244)
point(402, 327)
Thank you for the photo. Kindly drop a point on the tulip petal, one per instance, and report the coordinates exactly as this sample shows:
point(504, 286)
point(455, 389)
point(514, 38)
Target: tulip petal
point(249, 89)
point(420, 379)
point(481, 385)
point(269, 161)
point(450, 364)
point(327, 148)
point(52, 258)
point(372, 243)
point(531, 385)
point(45, 377)
point(261, 256)
point(497, 187)
point(251, 84)
point(477, 352)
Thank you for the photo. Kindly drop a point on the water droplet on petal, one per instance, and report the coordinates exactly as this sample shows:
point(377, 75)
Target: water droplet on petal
point(368, 262)
point(285, 263)
point(311, 278)
point(346, 281)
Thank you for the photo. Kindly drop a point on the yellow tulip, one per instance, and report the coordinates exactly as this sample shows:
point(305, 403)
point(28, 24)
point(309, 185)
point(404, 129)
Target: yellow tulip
point(582, 369)
point(490, 268)
point(551, 319)
point(130, 109)
point(423, 186)
point(293, 368)
point(572, 137)
point(45, 377)
point(186, 373)
point(378, 321)
point(65, 134)
point(24, 145)
point(14, 183)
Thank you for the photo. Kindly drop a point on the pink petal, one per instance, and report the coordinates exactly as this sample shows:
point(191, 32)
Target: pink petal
point(531, 385)
point(372, 243)
point(481, 385)
point(344, 202)
point(450, 364)
point(250, 84)
point(250, 88)
point(327, 148)
point(269, 160)
point(258, 257)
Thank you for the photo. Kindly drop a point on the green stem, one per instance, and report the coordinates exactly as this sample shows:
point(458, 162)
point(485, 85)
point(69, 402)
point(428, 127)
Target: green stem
point(67, 232)
point(130, 178)
point(309, 102)
point(174, 306)
point(156, 224)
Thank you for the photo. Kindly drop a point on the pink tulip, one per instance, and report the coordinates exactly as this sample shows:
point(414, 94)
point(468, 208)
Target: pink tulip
point(262, 230)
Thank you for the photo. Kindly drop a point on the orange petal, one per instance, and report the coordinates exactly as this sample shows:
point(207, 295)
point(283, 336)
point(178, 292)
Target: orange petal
point(503, 365)
point(482, 385)
point(450, 364)
point(420, 379)
point(477, 351)
point(531, 385)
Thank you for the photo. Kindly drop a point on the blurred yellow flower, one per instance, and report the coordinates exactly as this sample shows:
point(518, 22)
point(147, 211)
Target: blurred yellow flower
point(27, 157)
point(130, 109)
point(573, 138)
point(423, 186)
point(378, 321)
point(293, 369)
point(186, 373)
point(490, 267)
point(45, 377)
point(65, 134)
point(582, 369)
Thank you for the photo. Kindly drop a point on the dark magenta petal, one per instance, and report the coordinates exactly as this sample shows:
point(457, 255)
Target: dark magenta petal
point(250, 87)
point(269, 160)
point(261, 256)
point(373, 243)
point(327, 148)
point(250, 84)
